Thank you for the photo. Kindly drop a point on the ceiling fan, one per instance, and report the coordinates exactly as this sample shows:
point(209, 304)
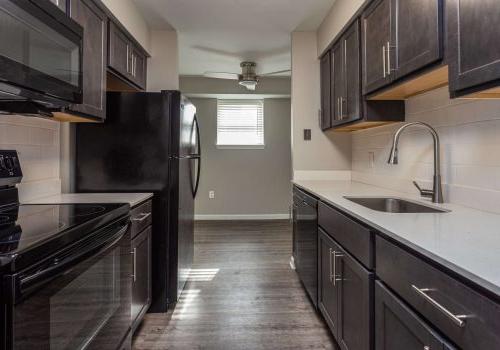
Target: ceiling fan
point(247, 78)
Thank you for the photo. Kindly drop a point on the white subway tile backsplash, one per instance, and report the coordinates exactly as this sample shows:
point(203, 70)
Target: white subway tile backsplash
point(37, 143)
point(470, 150)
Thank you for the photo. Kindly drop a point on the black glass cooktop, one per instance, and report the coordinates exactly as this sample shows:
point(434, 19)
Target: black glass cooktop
point(26, 227)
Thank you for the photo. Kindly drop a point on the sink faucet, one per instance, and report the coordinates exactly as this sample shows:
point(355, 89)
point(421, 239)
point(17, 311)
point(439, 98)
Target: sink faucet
point(437, 189)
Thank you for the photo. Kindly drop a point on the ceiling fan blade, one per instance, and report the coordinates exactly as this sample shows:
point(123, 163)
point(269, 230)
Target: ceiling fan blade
point(221, 75)
point(277, 72)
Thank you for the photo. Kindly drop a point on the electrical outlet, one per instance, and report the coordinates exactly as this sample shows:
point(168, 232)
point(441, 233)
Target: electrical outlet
point(211, 194)
point(371, 159)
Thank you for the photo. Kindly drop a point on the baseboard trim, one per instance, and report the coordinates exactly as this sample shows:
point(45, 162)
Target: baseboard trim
point(242, 217)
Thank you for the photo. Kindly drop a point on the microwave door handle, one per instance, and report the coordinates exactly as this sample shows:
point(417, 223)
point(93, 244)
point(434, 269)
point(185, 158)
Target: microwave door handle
point(32, 282)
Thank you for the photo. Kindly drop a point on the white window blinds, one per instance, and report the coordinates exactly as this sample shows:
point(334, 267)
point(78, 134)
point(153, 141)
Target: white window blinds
point(240, 123)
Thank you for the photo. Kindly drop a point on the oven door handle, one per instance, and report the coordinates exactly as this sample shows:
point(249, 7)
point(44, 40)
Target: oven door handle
point(32, 282)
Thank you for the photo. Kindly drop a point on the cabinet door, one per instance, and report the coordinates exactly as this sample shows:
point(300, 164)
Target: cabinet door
point(338, 79)
point(416, 35)
point(397, 327)
point(93, 20)
point(355, 297)
point(139, 68)
point(376, 22)
point(473, 42)
point(325, 76)
point(141, 285)
point(120, 55)
point(328, 286)
point(351, 109)
point(295, 233)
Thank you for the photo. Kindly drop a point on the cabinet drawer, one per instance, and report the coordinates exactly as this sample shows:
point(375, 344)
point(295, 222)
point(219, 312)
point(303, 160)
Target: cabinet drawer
point(141, 217)
point(355, 238)
point(397, 327)
point(468, 318)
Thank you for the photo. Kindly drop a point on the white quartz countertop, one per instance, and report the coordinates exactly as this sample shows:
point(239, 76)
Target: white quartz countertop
point(70, 198)
point(465, 240)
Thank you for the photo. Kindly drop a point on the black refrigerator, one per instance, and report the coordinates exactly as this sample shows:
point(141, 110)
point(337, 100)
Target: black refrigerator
point(149, 143)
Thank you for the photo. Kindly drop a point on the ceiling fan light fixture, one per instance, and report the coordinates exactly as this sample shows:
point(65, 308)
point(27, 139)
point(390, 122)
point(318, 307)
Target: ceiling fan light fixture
point(249, 84)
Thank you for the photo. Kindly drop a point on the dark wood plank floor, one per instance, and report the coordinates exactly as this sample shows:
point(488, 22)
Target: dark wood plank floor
point(242, 294)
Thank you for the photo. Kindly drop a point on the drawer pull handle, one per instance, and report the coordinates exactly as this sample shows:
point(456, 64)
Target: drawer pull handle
point(141, 217)
point(457, 319)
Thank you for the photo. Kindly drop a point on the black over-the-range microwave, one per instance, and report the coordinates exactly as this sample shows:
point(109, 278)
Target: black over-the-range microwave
point(40, 57)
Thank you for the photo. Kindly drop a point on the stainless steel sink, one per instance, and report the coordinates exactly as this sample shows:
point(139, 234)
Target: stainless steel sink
point(394, 205)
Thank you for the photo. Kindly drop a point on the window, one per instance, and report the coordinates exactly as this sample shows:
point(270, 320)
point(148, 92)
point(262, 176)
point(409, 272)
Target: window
point(240, 124)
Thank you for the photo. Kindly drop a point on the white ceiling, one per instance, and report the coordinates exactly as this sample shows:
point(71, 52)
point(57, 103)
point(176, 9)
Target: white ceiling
point(216, 35)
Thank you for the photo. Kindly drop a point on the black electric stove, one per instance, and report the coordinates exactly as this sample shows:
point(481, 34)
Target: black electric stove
point(65, 271)
point(30, 232)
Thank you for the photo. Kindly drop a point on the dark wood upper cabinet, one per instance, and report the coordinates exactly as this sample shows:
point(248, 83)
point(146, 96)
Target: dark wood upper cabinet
point(400, 38)
point(417, 35)
point(349, 110)
point(397, 327)
point(125, 58)
point(351, 101)
point(119, 56)
point(474, 55)
point(376, 28)
point(338, 82)
point(139, 69)
point(94, 22)
point(325, 78)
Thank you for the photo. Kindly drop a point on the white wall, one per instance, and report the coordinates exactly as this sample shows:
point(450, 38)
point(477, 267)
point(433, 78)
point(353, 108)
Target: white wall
point(327, 155)
point(340, 13)
point(128, 14)
point(469, 132)
point(37, 143)
point(163, 66)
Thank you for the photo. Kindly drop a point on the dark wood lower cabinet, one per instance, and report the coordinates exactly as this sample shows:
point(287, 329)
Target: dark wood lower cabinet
point(345, 295)
point(397, 327)
point(415, 304)
point(355, 286)
point(327, 289)
point(141, 285)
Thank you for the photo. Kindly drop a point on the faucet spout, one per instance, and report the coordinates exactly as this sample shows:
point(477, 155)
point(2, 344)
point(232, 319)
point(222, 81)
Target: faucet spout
point(437, 190)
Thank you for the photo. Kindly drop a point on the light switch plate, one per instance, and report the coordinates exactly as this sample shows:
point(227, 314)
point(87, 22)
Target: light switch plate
point(307, 134)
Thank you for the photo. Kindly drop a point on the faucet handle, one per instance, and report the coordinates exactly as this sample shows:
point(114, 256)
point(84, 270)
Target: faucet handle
point(423, 192)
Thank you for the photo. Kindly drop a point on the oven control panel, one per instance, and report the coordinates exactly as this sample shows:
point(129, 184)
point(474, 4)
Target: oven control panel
point(10, 168)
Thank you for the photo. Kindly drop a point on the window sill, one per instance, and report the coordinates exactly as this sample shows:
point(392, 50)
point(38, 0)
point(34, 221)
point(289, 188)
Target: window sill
point(240, 146)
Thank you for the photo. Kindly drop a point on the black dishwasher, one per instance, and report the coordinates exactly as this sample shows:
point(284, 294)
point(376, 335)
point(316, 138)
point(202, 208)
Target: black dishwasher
point(305, 231)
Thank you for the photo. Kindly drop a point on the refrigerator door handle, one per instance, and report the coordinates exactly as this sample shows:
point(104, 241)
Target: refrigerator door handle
point(198, 156)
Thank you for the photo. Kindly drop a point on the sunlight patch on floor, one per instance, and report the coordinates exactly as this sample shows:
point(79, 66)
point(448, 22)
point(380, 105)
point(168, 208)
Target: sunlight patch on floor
point(202, 275)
